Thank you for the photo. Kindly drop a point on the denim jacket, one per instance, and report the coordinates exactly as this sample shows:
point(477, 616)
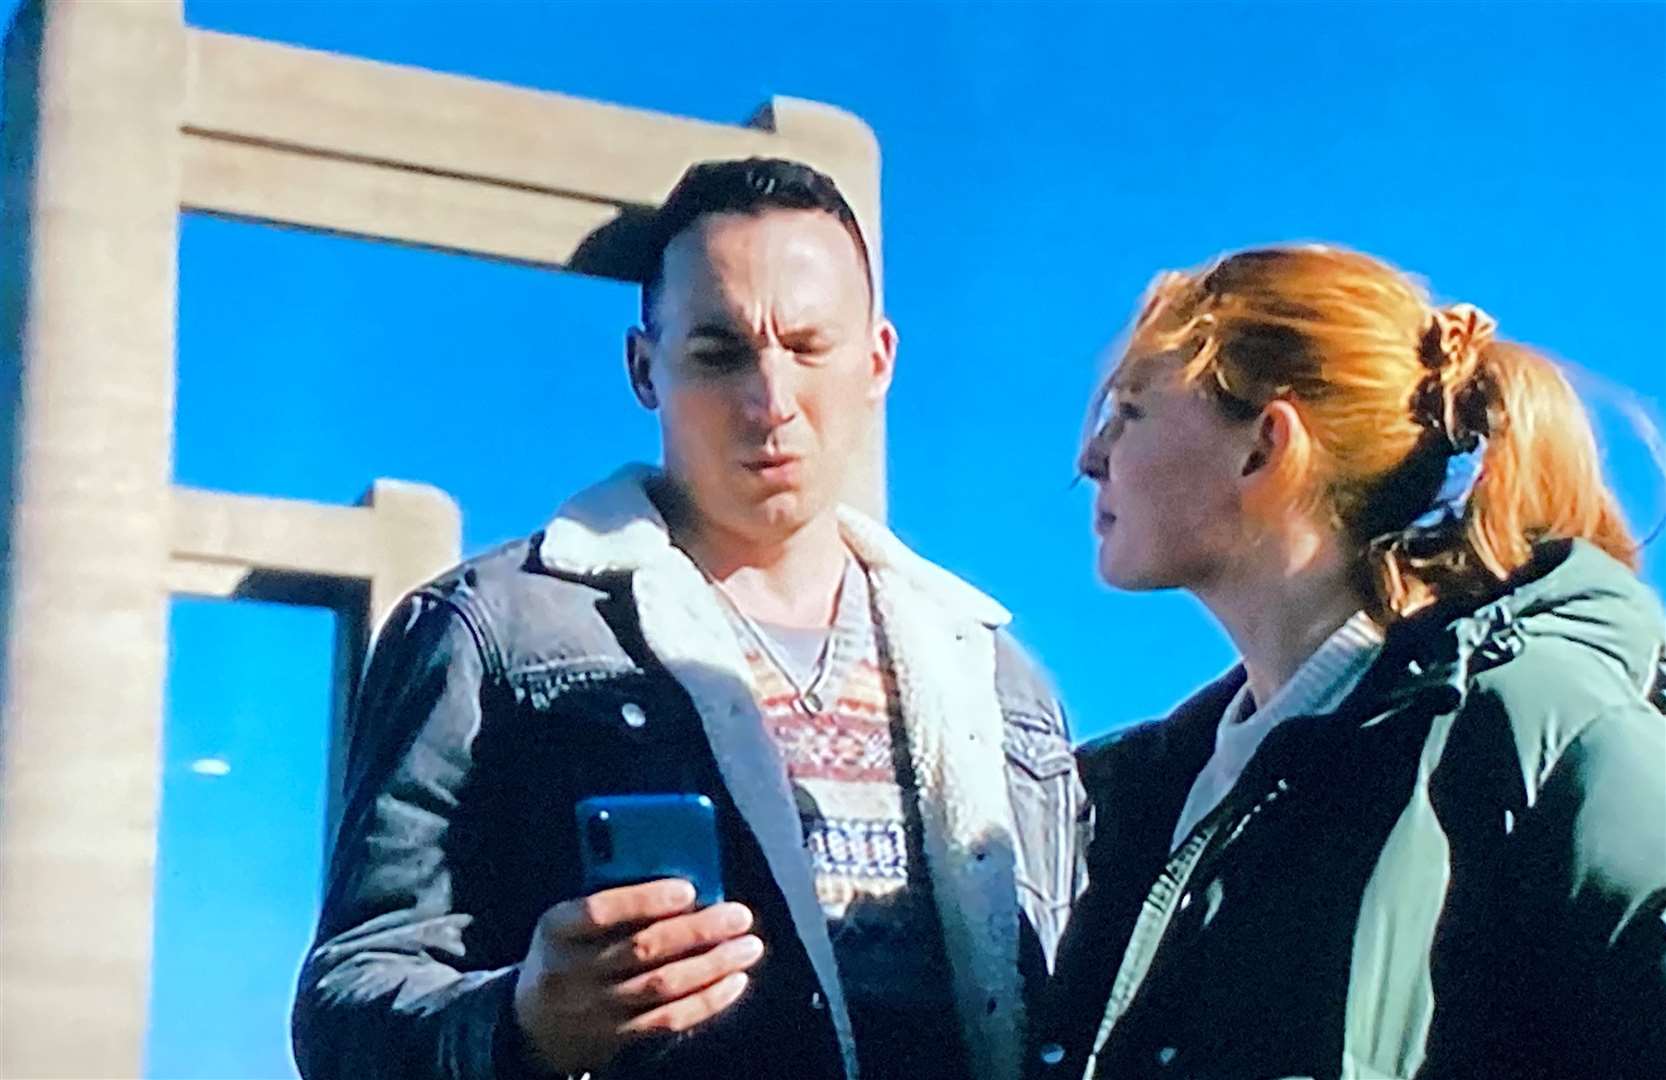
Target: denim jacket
point(593, 659)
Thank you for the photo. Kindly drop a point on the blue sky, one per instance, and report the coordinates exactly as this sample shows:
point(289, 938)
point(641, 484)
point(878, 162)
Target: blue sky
point(1041, 163)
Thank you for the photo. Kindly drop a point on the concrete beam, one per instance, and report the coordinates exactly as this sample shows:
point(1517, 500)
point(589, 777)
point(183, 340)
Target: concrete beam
point(390, 151)
point(93, 105)
point(252, 547)
point(321, 103)
point(255, 182)
point(256, 533)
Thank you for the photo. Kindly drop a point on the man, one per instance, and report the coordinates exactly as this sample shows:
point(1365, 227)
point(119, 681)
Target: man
point(893, 780)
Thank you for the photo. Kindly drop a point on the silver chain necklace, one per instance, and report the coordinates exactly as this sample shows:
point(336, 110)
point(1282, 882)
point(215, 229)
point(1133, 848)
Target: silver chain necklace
point(806, 695)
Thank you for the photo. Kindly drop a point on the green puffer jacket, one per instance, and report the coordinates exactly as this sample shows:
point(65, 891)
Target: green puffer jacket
point(1461, 872)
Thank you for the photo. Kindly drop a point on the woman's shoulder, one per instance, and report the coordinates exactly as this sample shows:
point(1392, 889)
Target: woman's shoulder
point(1574, 643)
point(1176, 745)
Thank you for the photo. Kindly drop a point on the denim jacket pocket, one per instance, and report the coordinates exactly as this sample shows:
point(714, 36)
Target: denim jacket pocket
point(604, 726)
point(1041, 783)
point(591, 697)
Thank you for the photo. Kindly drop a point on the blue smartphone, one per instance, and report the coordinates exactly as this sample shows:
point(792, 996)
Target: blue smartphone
point(629, 839)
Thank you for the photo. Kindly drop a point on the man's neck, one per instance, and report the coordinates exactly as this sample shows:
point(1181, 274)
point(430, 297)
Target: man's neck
point(788, 581)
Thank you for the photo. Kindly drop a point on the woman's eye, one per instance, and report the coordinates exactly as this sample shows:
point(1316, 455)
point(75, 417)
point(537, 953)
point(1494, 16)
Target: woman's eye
point(1127, 411)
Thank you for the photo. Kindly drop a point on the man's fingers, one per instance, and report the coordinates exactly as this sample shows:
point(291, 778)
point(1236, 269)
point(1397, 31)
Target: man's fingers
point(674, 938)
point(611, 911)
point(684, 1013)
point(684, 977)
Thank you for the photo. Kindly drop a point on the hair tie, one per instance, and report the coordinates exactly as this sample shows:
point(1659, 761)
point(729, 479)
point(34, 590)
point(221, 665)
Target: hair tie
point(1458, 331)
point(1454, 334)
point(1457, 486)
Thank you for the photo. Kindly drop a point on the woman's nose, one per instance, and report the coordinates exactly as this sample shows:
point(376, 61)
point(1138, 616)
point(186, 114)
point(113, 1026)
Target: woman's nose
point(1092, 460)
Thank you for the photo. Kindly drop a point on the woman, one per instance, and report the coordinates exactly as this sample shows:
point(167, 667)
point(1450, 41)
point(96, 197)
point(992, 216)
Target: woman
point(1421, 829)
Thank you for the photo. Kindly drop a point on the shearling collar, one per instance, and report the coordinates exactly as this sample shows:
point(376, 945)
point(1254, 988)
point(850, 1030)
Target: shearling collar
point(614, 526)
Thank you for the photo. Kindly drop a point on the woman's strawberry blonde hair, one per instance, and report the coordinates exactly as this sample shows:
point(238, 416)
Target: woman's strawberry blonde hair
point(1390, 389)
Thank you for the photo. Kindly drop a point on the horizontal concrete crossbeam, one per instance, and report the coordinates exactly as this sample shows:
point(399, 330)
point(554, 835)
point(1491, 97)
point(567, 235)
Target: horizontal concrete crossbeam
point(283, 134)
point(290, 551)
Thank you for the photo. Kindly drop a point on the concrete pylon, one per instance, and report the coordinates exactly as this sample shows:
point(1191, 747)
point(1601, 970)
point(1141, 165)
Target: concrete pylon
point(93, 102)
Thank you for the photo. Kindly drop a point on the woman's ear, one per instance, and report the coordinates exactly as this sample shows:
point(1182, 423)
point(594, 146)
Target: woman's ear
point(1277, 453)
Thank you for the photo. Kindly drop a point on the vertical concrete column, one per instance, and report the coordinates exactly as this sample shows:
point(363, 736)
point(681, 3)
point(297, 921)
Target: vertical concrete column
point(843, 146)
point(94, 95)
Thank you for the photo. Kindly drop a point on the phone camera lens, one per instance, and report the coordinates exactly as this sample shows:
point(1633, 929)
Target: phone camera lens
point(599, 836)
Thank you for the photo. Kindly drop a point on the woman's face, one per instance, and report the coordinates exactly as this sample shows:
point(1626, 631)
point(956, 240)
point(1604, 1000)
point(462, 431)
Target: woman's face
point(1169, 467)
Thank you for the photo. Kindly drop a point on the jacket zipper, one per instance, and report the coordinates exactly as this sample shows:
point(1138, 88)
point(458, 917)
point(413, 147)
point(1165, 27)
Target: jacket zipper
point(1158, 910)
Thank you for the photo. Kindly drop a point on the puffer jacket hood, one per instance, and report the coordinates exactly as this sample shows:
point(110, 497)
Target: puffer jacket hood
point(1576, 594)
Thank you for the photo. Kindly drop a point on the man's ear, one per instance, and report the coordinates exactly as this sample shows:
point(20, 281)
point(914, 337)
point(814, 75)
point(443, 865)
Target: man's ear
point(883, 350)
point(639, 356)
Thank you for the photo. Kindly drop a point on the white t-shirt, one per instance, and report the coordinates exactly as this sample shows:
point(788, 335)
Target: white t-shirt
point(1319, 685)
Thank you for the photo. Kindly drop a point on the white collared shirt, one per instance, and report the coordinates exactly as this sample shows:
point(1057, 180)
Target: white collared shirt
point(1319, 685)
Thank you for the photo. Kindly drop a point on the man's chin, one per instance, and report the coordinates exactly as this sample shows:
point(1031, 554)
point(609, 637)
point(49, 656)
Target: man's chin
point(787, 509)
point(780, 513)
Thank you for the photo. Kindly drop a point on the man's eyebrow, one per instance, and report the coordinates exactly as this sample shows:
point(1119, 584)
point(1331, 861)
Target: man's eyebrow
point(725, 331)
point(809, 332)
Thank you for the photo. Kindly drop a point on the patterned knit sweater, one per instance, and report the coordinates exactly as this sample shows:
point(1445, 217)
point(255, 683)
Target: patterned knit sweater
point(849, 770)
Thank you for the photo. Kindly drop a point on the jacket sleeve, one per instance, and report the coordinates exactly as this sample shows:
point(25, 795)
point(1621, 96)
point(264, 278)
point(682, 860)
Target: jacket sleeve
point(1601, 834)
point(387, 990)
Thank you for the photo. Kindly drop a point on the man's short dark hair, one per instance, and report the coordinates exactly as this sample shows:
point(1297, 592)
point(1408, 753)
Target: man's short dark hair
point(752, 186)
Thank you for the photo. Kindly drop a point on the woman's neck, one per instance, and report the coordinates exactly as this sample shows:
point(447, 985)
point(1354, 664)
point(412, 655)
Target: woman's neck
point(1280, 612)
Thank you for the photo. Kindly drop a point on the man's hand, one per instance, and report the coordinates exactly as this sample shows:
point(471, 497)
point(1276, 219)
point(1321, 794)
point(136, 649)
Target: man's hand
point(607, 969)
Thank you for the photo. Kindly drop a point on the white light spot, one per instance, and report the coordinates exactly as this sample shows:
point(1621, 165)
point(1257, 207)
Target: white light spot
point(211, 766)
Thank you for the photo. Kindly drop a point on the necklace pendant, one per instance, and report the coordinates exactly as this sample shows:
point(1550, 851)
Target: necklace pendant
point(812, 702)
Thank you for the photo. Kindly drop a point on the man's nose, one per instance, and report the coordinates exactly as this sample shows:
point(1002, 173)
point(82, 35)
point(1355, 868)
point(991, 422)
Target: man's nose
point(771, 395)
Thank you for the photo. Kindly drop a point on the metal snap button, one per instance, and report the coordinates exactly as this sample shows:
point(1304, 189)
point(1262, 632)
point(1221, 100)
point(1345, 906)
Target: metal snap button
point(633, 714)
point(1166, 1055)
point(1052, 1053)
point(816, 1001)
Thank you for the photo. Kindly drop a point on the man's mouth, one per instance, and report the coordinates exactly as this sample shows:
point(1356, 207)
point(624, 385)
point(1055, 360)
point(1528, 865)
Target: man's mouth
point(768, 460)
point(1103, 520)
point(770, 464)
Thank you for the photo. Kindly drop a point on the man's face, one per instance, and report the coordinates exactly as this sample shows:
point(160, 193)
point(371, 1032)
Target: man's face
point(766, 364)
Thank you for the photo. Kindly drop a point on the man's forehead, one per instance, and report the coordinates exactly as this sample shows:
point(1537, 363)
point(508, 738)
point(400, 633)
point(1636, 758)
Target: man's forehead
point(807, 241)
point(800, 263)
